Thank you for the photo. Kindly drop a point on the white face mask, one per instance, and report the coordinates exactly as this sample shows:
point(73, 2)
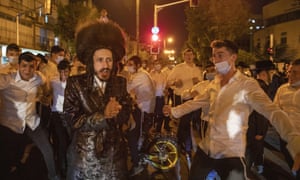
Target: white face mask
point(131, 69)
point(210, 76)
point(58, 59)
point(157, 67)
point(295, 84)
point(12, 59)
point(223, 67)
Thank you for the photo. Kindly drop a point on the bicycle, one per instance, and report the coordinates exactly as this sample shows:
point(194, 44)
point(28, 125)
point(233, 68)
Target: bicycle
point(159, 150)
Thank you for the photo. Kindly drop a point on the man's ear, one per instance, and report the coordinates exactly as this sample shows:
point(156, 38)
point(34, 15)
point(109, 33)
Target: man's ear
point(234, 57)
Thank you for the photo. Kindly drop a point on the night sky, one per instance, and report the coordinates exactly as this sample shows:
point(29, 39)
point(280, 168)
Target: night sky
point(171, 20)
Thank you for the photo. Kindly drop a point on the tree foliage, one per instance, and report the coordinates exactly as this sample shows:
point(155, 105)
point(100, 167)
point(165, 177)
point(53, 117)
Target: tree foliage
point(216, 19)
point(69, 16)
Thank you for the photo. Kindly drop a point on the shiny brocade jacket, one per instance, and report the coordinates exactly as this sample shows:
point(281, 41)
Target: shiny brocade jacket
point(98, 149)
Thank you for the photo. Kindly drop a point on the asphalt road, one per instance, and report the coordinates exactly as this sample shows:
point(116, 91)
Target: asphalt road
point(275, 167)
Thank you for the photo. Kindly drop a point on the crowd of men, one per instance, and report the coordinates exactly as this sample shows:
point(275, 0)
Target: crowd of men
point(85, 115)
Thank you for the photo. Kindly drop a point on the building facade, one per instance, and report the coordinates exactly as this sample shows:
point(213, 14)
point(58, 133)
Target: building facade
point(28, 23)
point(281, 28)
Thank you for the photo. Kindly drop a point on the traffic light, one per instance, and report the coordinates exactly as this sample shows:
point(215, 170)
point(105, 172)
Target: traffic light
point(194, 3)
point(154, 48)
point(270, 51)
point(154, 38)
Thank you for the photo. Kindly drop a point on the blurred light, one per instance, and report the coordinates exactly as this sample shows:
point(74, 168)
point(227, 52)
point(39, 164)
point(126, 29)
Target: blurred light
point(46, 18)
point(170, 40)
point(56, 41)
point(154, 37)
point(155, 30)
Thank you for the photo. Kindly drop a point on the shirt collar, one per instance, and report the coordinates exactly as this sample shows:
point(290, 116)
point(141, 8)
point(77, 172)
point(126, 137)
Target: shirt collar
point(18, 77)
point(237, 75)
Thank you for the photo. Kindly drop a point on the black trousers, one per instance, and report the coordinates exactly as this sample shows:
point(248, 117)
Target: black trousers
point(184, 128)
point(159, 116)
point(227, 168)
point(134, 135)
point(60, 139)
point(12, 147)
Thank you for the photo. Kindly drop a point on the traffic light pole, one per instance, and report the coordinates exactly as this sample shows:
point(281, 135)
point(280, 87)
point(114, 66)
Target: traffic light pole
point(157, 8)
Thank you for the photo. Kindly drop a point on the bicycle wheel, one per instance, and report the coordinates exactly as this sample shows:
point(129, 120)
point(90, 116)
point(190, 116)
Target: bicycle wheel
point(162, 153)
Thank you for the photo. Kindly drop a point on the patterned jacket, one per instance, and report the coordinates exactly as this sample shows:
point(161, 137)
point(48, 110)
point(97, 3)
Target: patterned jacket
point(98, 149)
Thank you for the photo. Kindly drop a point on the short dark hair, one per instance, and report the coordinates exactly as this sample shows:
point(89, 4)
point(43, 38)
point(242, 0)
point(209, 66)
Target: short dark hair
point(43, 59)
point(56, 49)
point(12, 47)
point(26, 56)
point(295, 62)
point(229, 45)
point(64, 64)
point(136, 60)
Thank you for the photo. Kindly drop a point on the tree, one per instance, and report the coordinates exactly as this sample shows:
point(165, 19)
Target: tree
point(216, 19)
point(69, 16)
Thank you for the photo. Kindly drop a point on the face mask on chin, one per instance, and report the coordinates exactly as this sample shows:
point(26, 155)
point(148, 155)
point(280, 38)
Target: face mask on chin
point(131, 69)
point(223, 67)
point(12, 59)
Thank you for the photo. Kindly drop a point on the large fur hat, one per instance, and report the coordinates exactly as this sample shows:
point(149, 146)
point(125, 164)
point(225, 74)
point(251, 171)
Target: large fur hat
point(97, 35)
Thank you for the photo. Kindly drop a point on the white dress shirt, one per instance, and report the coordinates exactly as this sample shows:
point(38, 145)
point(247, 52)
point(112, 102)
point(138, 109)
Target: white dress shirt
point(199, 87)
point(185, 73)
point(288, 99)
point(58, 91)
point(230, 107)
point(160, 82)
point(18, 98)
point(141, 87)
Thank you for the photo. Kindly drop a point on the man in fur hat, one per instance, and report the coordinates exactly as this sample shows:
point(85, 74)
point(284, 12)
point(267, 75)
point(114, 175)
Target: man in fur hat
point(98, 104)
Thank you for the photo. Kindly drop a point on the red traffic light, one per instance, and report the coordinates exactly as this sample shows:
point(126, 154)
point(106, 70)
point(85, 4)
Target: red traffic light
point(270, 51)
point(154, 37)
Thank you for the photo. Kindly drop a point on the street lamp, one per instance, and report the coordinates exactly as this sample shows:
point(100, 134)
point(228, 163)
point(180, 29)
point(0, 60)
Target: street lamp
point(170, 40)
point(137, 25)
point(167, 41)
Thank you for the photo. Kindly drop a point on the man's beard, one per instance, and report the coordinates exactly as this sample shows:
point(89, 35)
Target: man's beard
point(103, 74)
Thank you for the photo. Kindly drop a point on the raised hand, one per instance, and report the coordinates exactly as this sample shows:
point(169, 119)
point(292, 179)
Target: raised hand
point(112, 108)
point(167, 110)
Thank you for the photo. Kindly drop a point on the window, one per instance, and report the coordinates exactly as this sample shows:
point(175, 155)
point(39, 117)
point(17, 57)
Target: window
point(283, 38)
